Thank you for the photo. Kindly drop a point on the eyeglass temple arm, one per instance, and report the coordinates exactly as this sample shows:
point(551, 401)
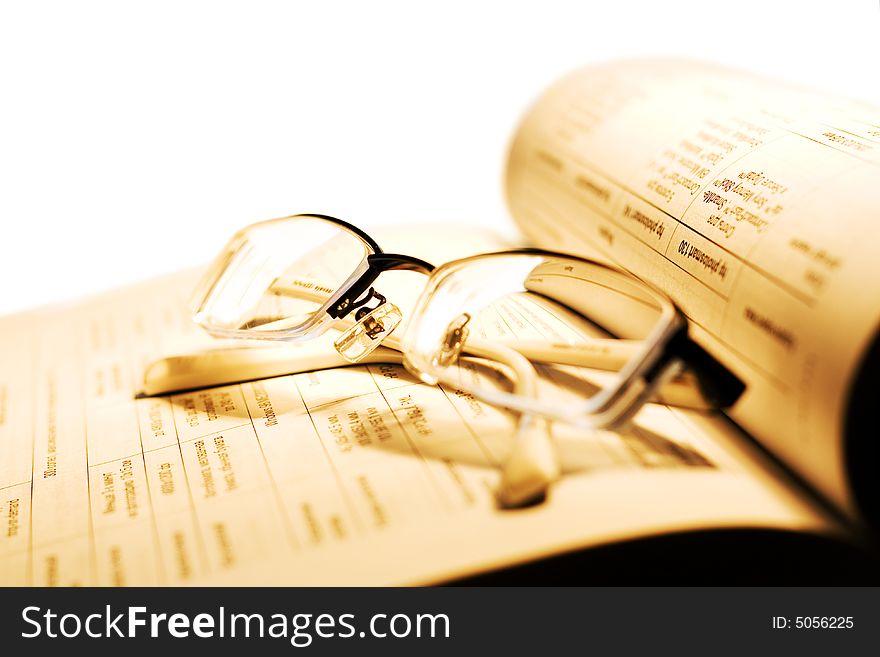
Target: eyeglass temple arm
point(717, 386)
point(720, 387)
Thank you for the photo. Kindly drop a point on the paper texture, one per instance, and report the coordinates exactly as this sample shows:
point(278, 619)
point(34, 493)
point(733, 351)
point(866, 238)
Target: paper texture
point(349, 476)
point(753, 205)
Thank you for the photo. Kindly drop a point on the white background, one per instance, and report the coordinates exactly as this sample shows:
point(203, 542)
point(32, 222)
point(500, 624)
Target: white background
point(136, 137)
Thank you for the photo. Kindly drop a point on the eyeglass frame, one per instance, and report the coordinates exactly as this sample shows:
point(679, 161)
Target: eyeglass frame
point(670, 342)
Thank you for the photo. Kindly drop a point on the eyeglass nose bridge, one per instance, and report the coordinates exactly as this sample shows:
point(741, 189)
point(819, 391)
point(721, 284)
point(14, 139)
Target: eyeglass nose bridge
point(373, 325)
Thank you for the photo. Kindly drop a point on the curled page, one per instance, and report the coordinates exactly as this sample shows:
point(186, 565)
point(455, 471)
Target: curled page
point(752, 204)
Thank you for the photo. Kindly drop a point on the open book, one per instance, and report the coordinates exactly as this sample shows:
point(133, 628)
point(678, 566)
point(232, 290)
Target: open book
point(361, 475)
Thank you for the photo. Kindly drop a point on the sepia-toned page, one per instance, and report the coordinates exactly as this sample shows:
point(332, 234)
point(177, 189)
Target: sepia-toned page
point(355, 475)
point(755, 206)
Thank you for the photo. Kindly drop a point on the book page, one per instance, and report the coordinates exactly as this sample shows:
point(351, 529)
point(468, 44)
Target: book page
point(356, 475)
point(751, 204)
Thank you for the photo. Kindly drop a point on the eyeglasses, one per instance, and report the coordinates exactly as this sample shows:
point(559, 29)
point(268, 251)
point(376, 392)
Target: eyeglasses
point(498, 326)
